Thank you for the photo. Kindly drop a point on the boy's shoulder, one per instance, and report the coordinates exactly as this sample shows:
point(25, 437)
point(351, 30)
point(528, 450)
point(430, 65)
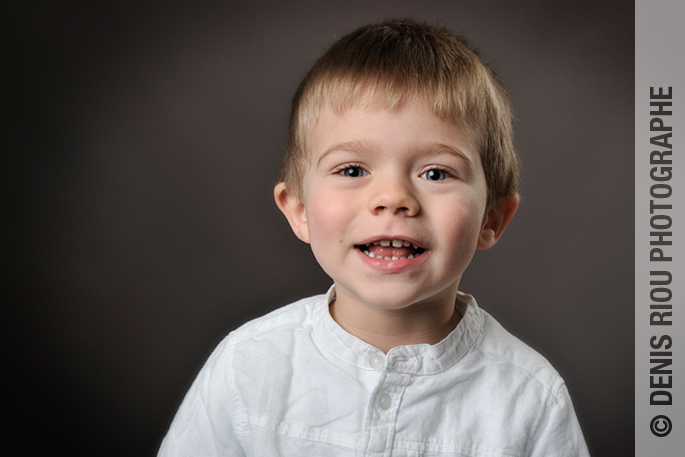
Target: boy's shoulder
point(279, 325)
point(299, 313)
point(498, 348)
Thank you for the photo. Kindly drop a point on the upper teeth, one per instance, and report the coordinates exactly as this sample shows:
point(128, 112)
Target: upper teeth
point(395, 243)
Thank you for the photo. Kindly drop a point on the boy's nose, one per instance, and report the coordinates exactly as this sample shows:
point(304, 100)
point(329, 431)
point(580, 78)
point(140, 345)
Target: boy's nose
point(394, 197)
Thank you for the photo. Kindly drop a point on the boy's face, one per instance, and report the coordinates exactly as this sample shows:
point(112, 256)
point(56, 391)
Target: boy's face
point(394, 205)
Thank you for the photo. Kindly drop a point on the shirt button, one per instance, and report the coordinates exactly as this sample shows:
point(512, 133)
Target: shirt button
point(376, 362)
point(384, 401)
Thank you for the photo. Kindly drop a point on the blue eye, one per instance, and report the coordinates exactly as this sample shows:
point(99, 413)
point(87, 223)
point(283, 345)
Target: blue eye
point(435, 174)
point(353, 172)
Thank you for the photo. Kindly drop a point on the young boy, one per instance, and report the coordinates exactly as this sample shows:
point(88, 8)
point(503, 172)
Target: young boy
point(400, 165)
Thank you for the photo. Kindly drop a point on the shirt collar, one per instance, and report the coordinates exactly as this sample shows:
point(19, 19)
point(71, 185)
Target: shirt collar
point(420, 359)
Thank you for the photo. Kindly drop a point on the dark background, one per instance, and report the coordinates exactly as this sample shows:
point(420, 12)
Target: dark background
point(142, 141)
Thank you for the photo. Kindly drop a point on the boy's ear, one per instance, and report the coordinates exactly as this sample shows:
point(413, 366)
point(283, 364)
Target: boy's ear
point(293, 209)
point(496, 220)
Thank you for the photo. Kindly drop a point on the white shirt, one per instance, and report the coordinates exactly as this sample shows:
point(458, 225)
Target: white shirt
point(294, 383)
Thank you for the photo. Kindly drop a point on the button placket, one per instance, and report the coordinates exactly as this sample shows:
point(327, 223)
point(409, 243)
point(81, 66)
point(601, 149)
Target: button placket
point(380, 428)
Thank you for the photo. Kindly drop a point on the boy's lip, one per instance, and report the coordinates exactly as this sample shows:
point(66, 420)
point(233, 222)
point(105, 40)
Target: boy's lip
point(391, 253)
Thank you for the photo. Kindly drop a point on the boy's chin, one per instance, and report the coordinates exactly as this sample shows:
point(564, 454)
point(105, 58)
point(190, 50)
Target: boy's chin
point(396, 299)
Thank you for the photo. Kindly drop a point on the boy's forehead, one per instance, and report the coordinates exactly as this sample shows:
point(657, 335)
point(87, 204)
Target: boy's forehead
point(357, 111)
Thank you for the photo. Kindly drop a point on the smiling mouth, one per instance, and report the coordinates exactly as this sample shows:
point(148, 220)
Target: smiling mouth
point(387, 249)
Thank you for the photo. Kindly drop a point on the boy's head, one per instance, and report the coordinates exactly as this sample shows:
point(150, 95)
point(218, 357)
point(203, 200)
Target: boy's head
point(400, 164)
point(382, 64)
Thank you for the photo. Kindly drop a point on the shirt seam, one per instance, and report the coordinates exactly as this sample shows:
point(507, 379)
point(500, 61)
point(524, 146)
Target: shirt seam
point(275, 430)
point(231, 387)
point(467, 451)
point(552, 390)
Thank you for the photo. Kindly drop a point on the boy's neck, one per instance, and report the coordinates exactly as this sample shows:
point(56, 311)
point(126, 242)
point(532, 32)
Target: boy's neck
point(386, 329)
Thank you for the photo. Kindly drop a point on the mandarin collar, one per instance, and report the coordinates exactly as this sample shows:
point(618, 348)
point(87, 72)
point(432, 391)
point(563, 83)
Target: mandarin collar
point(417, 359)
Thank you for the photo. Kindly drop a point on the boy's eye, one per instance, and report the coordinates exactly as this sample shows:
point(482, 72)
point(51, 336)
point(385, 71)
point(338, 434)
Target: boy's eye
point(435, 174)
point(352, 172)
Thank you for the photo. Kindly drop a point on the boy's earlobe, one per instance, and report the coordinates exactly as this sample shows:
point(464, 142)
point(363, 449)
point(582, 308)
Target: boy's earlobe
point(496, 220)
point(293, 209)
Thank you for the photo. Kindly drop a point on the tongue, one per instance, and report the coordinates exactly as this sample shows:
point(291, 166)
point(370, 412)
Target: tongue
point(390, 251)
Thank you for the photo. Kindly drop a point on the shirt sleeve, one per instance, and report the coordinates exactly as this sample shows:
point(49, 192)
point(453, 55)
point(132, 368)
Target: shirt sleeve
point(559, 432)
point(206, 422)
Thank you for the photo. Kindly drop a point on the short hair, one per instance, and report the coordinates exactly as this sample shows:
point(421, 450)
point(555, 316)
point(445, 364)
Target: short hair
point(392, 60)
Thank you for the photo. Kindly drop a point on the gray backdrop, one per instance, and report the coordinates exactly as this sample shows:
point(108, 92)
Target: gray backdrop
point(142, 142)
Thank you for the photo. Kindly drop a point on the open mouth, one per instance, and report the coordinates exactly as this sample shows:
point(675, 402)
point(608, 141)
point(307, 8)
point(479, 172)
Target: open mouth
point(387, 249)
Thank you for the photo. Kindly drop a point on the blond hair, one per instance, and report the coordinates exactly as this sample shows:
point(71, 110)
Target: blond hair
point(390, 61)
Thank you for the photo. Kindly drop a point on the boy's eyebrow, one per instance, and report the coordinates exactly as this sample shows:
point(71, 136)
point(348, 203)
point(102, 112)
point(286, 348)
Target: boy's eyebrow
point(431, 149)
point(354, 146)
point(441, 148)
